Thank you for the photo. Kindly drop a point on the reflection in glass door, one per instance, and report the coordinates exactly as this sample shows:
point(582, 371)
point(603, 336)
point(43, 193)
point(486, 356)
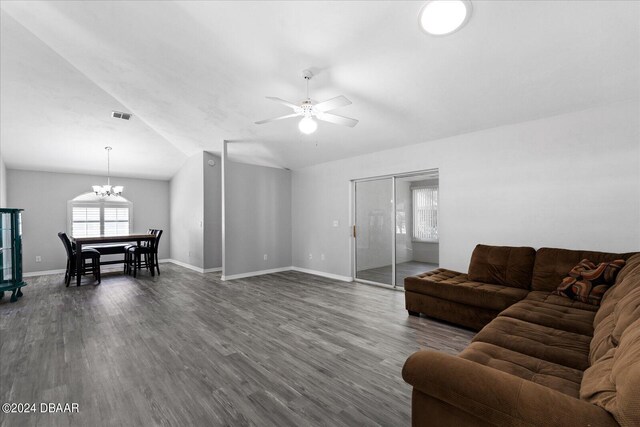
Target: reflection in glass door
point(374, 231)
point(416, 238)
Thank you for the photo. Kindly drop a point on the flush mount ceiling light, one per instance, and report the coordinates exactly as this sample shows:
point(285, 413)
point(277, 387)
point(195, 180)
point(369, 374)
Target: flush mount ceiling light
point(442, 17)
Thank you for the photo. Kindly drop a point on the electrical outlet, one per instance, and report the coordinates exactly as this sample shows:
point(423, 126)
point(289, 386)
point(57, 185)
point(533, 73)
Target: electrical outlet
point(310, 256)
point(266, 257)
point(336, 223)
point(322, 257)
point(38, 258)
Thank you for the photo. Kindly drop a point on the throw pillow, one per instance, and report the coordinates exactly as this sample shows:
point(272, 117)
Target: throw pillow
point(587, 282)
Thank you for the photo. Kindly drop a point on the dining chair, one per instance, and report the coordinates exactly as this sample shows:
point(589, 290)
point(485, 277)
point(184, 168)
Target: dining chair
point(87, 254)
point(150, 252)
point(128, 255)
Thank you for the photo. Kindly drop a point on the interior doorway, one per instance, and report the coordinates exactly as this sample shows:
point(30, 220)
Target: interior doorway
point(395, 227)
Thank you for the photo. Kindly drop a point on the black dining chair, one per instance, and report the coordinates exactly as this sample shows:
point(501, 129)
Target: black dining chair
point(133, 257)
point(87, 254)
point(128, 255)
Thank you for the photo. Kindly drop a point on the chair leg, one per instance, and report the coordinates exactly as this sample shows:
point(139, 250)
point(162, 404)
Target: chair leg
point(97, 269)
point(136, 262)
point(67, 274)
point(80, 270)
point(157, 263)
point(148, 259)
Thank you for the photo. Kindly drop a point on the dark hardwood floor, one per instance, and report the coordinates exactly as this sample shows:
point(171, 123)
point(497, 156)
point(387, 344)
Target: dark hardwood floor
point(286, 349)
point(404, 269)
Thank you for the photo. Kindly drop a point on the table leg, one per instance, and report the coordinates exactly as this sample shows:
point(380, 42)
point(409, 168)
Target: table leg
point(78, 263)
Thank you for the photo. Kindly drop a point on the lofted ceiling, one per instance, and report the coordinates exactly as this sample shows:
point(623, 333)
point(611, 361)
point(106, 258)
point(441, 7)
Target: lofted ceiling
point(195, 73)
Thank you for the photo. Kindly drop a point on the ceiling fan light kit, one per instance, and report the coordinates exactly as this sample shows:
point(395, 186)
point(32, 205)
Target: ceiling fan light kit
point(307, 125)
point(309, 110)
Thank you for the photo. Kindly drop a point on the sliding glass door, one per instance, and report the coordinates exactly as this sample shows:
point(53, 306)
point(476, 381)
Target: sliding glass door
point(374, 230)
point(396, 227)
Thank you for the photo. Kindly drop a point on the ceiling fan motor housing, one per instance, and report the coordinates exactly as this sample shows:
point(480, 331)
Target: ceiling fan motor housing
point(307, 108)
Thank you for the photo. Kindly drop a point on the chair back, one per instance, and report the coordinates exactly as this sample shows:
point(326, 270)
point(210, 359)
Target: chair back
point(67, 244)
point(146, 243)
point(156, 242)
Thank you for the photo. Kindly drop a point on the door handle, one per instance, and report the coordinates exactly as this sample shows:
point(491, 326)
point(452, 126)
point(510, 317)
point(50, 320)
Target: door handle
point(354, 231)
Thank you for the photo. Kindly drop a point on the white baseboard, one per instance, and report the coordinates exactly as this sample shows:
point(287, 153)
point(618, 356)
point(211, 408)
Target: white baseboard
point(43, 273)
point(323, 274)
point(279, 270)
point(256, 273)
point(189, 266)
point(211, 270)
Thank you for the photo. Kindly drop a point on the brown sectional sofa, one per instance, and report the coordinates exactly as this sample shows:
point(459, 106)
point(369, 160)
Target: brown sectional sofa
point(542, 360)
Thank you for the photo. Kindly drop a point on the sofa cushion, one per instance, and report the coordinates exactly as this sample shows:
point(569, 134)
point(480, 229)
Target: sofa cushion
point(502, 265)
point(550, 298)
point(620, 289)
point(554, 316)
point(453, 286)
point(552, 265)
point(632, 264)
point(588, 282)
point(553, 345)
point(613, 382)
point(561, 378)
point(616, 312)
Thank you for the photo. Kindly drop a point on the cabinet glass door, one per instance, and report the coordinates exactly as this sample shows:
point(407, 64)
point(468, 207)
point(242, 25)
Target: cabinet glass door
point(6, 258)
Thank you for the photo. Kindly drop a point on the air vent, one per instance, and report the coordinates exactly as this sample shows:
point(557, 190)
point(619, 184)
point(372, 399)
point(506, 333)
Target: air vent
point(121, 115)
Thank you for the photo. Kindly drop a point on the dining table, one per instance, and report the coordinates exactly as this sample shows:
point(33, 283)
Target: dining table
point(97, 240)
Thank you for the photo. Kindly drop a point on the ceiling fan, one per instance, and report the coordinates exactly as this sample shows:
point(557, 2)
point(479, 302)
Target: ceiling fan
point(309, 109)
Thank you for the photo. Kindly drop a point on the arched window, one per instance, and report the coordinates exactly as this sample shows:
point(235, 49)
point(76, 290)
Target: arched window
point(90, 215)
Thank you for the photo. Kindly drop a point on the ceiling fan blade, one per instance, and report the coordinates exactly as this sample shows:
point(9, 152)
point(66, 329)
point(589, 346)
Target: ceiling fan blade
point(277, 118)
point(332, 104)
point(282, 101)
point(338, 120)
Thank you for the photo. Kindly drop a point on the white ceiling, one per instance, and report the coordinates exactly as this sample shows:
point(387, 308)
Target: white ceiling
point(195, 73)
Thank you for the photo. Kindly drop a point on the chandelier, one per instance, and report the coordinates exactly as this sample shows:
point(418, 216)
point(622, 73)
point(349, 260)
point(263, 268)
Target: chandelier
point(108, 189)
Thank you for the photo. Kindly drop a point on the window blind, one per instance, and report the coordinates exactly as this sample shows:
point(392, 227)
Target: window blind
point(86, 221)
point(116, 221)
point(425, 213)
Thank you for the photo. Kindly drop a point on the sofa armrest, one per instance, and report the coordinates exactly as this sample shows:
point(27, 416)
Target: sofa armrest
point(495, 396)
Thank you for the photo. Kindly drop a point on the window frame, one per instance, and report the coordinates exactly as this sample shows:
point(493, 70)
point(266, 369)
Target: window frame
point(413, 214)
point(102, 204)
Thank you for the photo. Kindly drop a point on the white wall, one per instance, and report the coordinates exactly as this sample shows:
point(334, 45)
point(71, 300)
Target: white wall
point(570, 181)
point(44, 196)
point(212, 212)
point(257, 218)
point(187, 212)
point(3, 184)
